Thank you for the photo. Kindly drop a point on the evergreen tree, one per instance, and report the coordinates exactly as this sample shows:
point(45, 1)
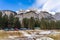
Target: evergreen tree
point(52, 24)
point(5, 21)
point(42, 24)
point(17, 23)
point(11, 21)
point(57, 25)
point(31, 23)
point(25, 22)
point(37, 23)
point(1, 20)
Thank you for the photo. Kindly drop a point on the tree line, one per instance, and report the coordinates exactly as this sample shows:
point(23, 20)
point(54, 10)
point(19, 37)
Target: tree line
point(9, 21)
point(42, 24)
point(13, 22)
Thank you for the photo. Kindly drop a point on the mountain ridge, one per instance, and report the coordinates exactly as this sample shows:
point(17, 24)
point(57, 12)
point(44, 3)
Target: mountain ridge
point(38, 12)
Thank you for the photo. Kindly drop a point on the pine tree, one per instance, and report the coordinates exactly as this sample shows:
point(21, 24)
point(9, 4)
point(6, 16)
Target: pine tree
point(5, 21)
point(52, 24)
point(17, 23)
point(31, 23)
point(1, 20)
point(11, 21)
point(37, 23)
point(57, 24)
point(25, 22)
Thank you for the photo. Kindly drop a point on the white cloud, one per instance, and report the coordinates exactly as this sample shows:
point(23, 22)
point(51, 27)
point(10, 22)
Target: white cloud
point(38, 3)
point(48, 5)
point(51, 5)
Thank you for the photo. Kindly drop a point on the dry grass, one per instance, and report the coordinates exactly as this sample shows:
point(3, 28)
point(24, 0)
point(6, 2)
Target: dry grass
point(55, 36)
point(6, 34)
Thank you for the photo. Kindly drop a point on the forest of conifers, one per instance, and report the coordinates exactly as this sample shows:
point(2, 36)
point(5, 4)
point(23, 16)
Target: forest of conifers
point(32, 23)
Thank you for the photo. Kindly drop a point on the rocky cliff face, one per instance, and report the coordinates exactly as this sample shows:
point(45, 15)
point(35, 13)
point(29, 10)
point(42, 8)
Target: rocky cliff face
point(36, 14)
point(44, 14)
point(32, 13)
point(57, 16)
point(8, 12)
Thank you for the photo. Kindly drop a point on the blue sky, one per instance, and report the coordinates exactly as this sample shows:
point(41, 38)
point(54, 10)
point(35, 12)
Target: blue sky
point(15, 5)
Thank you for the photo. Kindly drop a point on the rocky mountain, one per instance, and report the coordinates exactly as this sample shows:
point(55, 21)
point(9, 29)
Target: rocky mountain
point(45, 14)
point(32, 13)
point(57, 16)
point(8, 12)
